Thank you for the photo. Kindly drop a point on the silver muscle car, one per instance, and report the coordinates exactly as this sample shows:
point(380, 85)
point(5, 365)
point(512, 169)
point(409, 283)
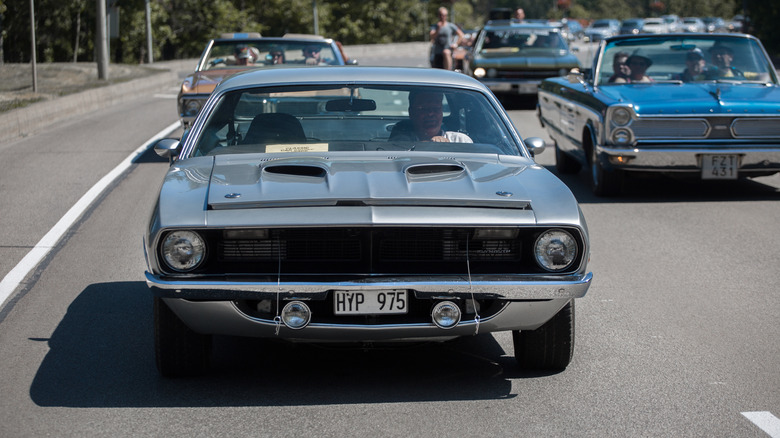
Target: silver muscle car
point(704, 106)
point(361, 204)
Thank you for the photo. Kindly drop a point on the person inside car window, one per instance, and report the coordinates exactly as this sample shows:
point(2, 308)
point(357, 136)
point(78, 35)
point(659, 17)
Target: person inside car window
point(620, 68)
point(695, 67)
point(275, 56)
point(722, 57)
point(311, 54)
point(425, 121)
point(638, 63)
point(243, 56)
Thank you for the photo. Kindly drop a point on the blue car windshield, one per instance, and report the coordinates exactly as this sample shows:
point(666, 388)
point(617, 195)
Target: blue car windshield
point(657, 59)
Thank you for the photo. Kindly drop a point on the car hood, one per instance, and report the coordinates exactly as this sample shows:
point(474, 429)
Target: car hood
point(533, 59)
point(374, 189)
point(697, 98)
point(206, 81)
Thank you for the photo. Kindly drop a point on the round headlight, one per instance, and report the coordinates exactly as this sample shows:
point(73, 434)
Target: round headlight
point(621, 116)
point(621, 137)
point(296, 315)
point(183, 250)
point(446, 314)
point(555, 250)
point(479, 72)
point(191, 107)
point(492, 72)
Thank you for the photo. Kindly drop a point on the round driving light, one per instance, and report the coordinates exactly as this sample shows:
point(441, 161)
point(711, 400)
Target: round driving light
point(621, 137)
point(555, 250)
point(296, 315)
point(492, 72)
point(446, 314)
point(192, 107)
point(183, 250)
point(479, 72)
point(621, 116)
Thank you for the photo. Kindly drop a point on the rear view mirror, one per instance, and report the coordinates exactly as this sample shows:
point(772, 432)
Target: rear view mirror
point(351, 105)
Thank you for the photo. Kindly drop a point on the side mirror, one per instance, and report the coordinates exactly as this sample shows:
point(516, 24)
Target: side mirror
point(168, 148)
point(535, 145)
point(575, 76)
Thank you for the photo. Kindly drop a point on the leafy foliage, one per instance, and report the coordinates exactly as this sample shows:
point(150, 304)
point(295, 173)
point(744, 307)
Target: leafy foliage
point(65, 29)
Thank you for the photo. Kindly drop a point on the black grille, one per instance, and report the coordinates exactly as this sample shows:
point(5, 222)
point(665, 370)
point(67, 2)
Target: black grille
point(368, 251)
point(526, 74)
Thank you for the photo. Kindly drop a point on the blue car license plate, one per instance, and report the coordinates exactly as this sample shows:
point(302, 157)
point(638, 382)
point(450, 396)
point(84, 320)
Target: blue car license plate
point(719, 166)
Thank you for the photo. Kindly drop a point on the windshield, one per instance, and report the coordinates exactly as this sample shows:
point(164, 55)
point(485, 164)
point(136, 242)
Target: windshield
point(684, 59)
point(259, 53)
point(354, 118)
point(516, 40)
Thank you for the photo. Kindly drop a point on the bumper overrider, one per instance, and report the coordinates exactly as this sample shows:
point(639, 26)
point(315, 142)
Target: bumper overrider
point(488, 305)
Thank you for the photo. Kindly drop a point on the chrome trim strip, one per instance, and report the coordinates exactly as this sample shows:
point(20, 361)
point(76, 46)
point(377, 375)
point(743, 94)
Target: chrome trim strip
point(506, 287)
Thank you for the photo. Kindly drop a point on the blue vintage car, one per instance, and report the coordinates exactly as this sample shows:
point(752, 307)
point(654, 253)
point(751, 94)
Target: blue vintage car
point(700, 105)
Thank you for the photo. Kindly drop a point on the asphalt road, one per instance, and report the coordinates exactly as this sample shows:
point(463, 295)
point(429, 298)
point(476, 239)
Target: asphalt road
point(676, 337)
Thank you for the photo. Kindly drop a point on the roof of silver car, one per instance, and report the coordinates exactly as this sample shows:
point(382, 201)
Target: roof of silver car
point(348, 74)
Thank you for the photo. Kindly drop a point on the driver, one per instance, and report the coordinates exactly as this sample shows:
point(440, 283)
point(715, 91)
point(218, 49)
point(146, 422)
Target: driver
point(722, 57)
point(426, 117)
point(243, 56)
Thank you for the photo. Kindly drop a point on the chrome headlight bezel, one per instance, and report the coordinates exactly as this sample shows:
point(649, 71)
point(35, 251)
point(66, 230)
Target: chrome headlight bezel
point(556, 250)
point(182, 250)
point(619, 120)
point(621, 116)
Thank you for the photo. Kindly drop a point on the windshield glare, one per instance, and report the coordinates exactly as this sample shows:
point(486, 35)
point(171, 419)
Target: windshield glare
point(684, 59)
point(353, 118)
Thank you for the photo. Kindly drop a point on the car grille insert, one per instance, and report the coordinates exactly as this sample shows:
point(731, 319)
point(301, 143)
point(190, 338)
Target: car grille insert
point(373, 251)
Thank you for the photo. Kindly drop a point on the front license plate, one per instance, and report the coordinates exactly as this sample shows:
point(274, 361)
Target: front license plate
point(527, 88)
point(370, 302)
point(719, 166)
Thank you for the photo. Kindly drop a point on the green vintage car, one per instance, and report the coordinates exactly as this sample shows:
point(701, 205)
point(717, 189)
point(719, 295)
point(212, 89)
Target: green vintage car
point(512, 57)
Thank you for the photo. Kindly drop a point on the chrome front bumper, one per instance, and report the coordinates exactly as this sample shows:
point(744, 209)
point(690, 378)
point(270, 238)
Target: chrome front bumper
point(754, 159)
point(211, 308)
point(508, 287)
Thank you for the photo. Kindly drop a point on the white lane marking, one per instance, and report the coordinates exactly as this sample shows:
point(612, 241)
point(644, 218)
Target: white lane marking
point(17, 275)
point(766, 421)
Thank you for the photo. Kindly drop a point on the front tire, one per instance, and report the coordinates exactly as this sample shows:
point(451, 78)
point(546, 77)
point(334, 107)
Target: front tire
point(179, 351)
point(604, 182)
point(551, 346)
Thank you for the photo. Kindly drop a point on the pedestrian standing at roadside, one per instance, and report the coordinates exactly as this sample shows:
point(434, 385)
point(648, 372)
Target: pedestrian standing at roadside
point(445, 37)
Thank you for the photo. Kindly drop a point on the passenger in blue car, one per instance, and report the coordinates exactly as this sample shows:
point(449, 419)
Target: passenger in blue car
point(695, 67)
point(620, 68)
point(638, 62)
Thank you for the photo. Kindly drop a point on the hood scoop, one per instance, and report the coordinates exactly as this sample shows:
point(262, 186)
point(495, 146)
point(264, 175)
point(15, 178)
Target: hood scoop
point(296, 170)
point(430, 171)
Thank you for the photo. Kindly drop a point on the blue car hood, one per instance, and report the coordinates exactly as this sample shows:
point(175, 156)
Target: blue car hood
point(698, 98)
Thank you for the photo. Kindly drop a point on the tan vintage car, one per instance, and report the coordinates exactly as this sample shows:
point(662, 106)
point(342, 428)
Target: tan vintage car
point(236, 52)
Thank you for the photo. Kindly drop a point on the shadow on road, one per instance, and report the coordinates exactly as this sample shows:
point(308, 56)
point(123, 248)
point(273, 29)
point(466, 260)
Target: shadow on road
point(101, 355)
point(659, 188)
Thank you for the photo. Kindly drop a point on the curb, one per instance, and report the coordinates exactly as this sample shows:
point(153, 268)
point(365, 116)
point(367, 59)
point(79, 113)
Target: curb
point(25, 121)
